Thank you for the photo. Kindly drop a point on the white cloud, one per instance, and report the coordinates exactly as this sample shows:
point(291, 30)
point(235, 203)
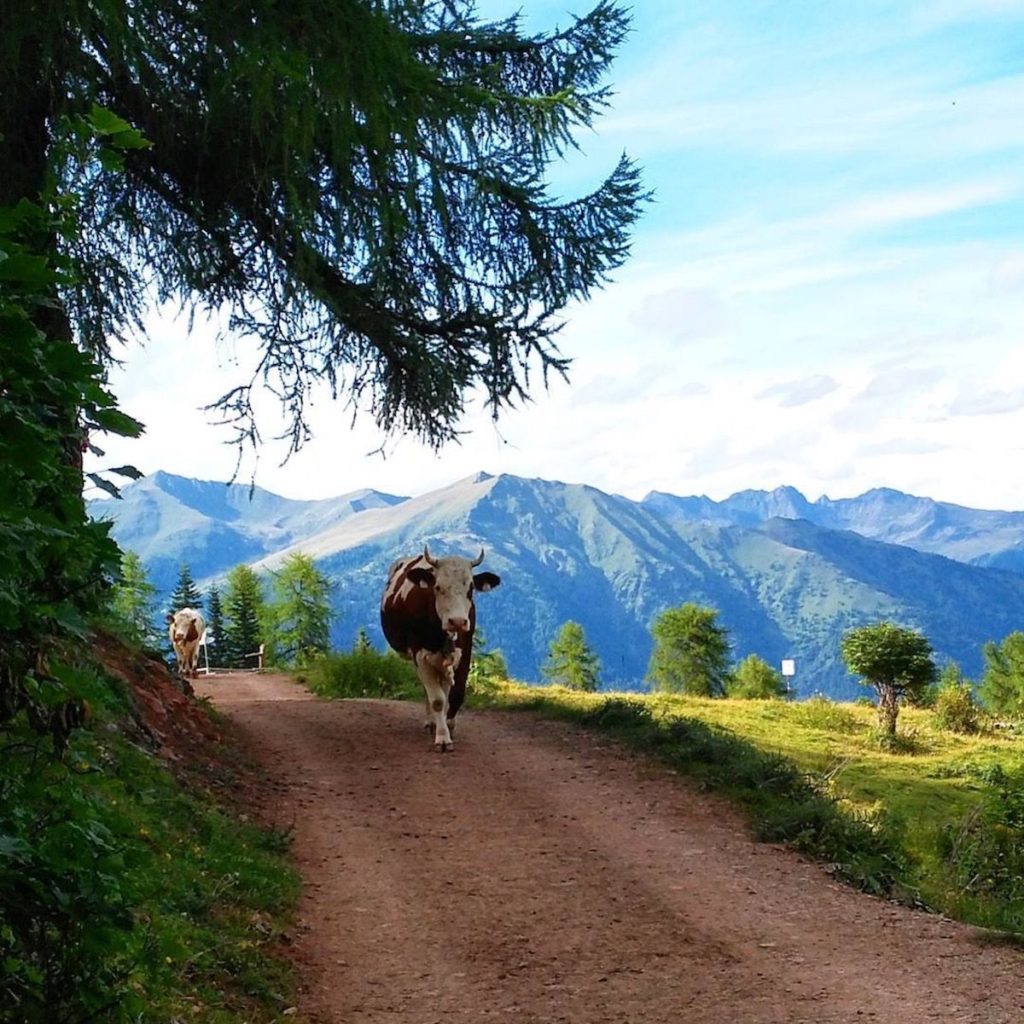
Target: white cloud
point(988, 403)
point(829, 291)
point(792, 393)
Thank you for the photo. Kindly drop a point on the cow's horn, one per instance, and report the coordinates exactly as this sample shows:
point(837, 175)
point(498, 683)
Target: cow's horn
point(426, 555)
point(479, 558)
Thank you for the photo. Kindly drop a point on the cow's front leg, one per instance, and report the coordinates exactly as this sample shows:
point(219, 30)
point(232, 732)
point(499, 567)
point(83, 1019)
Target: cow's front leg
point(436, 685)
point(451, 665)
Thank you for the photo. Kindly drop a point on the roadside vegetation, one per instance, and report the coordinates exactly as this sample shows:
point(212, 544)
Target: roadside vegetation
point(126, 895)
point(362, 672)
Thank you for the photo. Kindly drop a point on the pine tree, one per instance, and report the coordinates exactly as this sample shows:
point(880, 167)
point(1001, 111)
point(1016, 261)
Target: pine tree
point(186, 594)
point(691, 652)
point(299, 613)
point(244, 614)
point(360, 184)
point(362, 642)
point(571, 662)
point(133, 603)
point(214, 627)
point(1002, 685)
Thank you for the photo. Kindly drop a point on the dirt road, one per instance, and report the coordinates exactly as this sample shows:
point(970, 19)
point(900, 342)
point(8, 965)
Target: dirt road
point(537, 874)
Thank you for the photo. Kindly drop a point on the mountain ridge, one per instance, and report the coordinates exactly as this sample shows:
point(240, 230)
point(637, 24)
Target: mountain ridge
point(784, 586)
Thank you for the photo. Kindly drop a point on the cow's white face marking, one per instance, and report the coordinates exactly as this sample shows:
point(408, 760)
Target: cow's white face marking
point(452, 588)
point(453, 593)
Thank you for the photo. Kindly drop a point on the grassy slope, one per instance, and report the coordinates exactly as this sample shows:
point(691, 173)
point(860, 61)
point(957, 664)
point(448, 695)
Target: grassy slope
point(918, 799)
point(126, 894)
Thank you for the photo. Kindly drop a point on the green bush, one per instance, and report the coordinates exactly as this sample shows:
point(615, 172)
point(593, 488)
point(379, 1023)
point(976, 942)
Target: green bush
point(984, 854)
point(818, 712)
point(956, 710)
point(364, 673)
point(907, 741)
point(755, 679)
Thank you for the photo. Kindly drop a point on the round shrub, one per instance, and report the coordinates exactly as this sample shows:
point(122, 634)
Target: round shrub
point(956, 710)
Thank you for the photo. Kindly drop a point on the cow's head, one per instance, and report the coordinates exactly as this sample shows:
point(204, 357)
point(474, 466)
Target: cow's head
point(453, 581)
point(183, 626)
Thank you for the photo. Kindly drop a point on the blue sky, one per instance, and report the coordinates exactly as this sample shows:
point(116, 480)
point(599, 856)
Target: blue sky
point(828, 290)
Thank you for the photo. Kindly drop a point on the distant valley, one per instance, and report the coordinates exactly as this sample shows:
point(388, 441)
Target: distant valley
point(787, 575)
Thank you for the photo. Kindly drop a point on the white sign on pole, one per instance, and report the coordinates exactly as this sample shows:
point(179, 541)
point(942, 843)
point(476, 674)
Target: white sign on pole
point(203, 641)
point(789, 667)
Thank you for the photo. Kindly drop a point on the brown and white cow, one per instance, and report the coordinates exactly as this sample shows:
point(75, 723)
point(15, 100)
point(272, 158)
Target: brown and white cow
point(428, 616)
point(185, 628)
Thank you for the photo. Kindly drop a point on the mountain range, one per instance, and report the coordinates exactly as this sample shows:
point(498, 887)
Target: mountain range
point(788, 576)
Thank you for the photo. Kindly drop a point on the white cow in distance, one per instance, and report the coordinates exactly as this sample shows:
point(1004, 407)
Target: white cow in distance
point(186, 627)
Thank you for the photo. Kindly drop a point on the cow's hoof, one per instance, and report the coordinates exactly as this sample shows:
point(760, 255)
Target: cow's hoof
point(443, 748)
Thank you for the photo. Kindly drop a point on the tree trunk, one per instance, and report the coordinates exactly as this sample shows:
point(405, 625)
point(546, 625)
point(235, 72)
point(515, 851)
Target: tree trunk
point(888, 707)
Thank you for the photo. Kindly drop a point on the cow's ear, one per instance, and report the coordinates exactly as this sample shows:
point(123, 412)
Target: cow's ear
point(170, 617)
point(420, 577)
point(486, 581)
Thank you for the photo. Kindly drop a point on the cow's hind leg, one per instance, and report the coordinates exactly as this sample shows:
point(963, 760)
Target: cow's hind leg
point(435, 685)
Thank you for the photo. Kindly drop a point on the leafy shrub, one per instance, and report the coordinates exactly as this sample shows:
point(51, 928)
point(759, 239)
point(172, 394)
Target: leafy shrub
point(755, 679)
point(906, 742)
point(818, 712)
point(991, 773)
point(956, 710)
point(484, 691)
point(984, 853)
point(55, 563)
point(487, 666)
point(364, 673)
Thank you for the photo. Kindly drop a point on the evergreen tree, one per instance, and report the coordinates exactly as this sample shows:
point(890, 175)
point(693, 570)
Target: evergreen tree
point(571, 662)
point(244, 614)
point(361, 184)
point(299, 614)
point(133, 603)
point(1002, 683)
point(895, 660)
point(186, 594)
point(691, 652)
point(214, 627)
point(362, 643)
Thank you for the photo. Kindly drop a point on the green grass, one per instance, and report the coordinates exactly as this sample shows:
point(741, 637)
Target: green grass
point(125, 897)
point(940, 824)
